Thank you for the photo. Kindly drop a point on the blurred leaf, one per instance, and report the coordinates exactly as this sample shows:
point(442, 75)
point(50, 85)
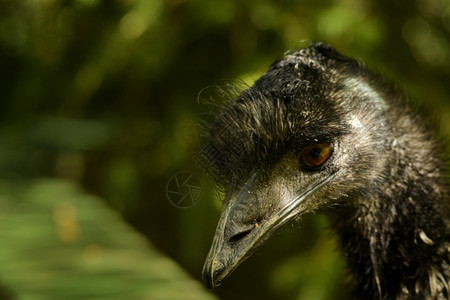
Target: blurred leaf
point(58, 243)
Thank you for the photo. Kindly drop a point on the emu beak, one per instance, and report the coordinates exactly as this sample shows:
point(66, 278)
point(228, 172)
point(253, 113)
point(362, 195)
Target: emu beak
point(250, 218)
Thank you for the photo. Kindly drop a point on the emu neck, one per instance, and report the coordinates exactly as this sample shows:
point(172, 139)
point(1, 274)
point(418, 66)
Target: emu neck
point(396, 236)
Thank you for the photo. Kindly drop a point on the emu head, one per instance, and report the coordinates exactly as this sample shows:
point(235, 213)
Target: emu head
point(310, 134)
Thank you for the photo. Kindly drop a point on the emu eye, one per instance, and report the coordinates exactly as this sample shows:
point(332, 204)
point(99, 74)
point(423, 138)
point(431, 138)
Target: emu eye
point(315, 155)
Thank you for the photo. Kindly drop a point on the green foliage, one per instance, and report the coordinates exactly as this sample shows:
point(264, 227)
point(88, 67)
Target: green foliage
point(59, 243)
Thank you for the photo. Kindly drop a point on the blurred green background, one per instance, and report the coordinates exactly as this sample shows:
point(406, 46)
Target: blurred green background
point(97, 103)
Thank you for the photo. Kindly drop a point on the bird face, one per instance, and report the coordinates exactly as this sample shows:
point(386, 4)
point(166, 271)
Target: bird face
point(257, 210)
point(299, 140)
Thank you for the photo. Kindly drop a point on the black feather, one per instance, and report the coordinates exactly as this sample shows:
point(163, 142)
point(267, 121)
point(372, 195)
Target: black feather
point(390, 209)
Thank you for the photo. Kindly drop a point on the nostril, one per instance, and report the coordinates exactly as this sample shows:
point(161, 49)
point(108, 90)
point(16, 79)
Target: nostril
point(241, 234)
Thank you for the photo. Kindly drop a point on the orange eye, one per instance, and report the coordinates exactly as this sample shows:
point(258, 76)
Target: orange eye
point(315, 155)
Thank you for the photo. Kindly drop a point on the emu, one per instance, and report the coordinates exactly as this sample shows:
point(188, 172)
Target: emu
point(319, 132)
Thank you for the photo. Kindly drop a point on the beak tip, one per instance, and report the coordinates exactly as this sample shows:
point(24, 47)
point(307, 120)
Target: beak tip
point(208, 276)
point(208, 282)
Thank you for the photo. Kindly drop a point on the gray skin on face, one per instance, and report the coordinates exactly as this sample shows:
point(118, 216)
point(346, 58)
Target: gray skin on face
point(383, 163)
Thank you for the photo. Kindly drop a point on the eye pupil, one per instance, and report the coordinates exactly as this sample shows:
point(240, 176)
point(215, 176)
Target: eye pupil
point(315, 155)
